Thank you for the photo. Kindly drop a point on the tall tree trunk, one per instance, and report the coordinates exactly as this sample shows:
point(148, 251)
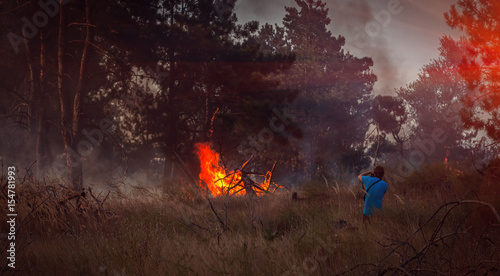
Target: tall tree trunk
point(172, 131)
point(210, 111)
point(400, 143)
point(39, 148)
point(31, 96)
point(169, 170)
point(63, 95)
point(35, 97)
point(77, 169)
point(32, 90)
point(83, 64)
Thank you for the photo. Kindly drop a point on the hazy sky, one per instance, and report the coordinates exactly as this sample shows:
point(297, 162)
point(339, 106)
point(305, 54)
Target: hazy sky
point(405, 37)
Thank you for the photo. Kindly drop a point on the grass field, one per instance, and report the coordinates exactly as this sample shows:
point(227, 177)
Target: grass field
point(440, 222)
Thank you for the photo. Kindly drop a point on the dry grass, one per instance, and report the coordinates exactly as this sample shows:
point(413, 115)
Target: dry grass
point(154, 233)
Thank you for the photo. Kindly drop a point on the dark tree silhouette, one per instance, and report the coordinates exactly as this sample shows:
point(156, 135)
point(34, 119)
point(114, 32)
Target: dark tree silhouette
point(434, 102)
point(212, 83)
point(57, 72)
point(335, 86)
point(390, 116)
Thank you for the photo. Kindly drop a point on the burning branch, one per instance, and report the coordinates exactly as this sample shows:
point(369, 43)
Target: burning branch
point(238, 182)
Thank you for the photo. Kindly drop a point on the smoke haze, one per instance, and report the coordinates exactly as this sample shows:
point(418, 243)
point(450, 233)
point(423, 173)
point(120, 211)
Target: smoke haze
point(409, 40)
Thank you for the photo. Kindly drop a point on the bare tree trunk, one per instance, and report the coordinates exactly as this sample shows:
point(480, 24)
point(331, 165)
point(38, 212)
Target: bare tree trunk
point(207, 113)
point(77, 169)
point(32, 80)
point(210, 113)
point(171, 143)
point(39, 148)
point(35, 97)
point(400, 143)
point(171, 135)
point(65, 130)
point(31, 96)
point(82, 71)
point(207, 124)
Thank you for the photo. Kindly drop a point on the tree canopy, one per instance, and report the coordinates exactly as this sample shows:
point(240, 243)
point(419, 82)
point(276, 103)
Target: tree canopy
point(335, 87)
point(114, 87)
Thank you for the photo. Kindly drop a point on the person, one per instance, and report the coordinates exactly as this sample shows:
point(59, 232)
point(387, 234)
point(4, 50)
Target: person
point(375, 189)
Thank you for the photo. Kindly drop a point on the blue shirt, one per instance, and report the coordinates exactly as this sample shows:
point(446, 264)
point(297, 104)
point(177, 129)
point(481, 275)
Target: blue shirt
point(375, 194)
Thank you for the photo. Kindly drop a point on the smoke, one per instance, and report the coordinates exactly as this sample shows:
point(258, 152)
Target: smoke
point(400, 36)
point(264, 11)
point(348, 18)
point(385, 30)
point(366, 26)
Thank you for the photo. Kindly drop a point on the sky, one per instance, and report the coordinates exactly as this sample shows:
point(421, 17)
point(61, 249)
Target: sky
point(401, 36)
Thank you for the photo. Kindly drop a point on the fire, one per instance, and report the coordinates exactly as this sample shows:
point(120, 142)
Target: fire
point(448, 167)
point(219, 182)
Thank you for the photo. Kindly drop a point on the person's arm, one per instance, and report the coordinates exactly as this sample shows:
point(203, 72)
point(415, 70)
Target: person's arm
point(363, 174)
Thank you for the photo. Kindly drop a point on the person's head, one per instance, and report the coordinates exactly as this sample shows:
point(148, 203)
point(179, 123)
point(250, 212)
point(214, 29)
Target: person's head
point(378, 172)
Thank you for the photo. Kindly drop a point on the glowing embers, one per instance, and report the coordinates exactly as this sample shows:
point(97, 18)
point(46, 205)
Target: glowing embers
point(220, 182)
point(447, 166)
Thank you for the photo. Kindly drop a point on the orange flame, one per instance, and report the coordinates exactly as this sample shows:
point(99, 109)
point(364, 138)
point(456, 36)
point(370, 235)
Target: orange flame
point(215, 176)
point(218, 181)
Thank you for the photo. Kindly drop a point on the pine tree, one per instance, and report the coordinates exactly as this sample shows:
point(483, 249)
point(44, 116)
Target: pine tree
point(335, 87)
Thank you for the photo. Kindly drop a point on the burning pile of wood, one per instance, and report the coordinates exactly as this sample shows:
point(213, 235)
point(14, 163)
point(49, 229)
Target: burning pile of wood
point(238, 182)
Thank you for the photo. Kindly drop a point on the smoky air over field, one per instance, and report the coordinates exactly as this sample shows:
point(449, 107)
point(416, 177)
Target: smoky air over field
point(210, 137)
point(322, 89)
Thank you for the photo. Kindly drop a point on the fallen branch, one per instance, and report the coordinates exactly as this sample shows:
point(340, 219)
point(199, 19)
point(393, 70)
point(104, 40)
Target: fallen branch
point(216, 214)
point(99, 203)
point(413, 260)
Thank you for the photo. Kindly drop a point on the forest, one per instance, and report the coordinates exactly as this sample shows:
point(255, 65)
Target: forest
point(165, 137)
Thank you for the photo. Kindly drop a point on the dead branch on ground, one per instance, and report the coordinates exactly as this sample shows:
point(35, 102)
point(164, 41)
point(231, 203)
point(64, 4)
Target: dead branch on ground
point(443, 234)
